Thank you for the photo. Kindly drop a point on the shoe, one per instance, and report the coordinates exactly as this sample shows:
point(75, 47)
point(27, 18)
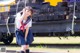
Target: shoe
point(27, 51)
point(20, 52)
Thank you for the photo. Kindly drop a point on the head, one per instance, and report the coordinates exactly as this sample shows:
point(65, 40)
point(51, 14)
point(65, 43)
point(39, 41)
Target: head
point(28, 10)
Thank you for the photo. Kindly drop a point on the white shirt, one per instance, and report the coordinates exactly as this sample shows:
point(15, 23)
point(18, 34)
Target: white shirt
point(18, 23)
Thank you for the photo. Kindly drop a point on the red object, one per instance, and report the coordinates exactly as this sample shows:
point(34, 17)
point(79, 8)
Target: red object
point(22, 26)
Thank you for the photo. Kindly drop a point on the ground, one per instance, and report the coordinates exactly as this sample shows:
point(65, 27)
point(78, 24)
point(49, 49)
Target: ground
point(51, 40)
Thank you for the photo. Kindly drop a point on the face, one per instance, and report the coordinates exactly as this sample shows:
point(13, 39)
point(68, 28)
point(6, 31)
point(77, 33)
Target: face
point(28, 12)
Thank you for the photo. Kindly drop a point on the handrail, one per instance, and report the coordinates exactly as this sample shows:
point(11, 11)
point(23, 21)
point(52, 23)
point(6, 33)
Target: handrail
point(73, 23)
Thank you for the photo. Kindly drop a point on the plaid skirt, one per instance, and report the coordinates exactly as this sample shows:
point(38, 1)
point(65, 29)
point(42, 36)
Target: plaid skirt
point(20, 37)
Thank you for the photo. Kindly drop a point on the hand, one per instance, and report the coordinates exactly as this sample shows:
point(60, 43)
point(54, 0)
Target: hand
point(25, 39)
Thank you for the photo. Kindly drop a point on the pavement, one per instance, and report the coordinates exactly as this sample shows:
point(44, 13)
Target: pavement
point(13, 51)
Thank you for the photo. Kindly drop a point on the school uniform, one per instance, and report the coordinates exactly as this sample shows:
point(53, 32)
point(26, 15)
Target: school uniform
point(20, 35)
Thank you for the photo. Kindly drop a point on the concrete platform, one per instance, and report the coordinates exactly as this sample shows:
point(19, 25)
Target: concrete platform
point(12, 51)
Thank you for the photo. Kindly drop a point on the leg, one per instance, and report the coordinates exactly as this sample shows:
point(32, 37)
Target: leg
point(25, 48)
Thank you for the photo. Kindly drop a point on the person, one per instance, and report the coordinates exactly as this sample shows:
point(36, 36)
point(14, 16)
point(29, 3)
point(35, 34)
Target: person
point(23, 24)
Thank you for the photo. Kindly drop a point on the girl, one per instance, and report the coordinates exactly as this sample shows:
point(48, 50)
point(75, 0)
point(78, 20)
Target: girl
point(23, 22)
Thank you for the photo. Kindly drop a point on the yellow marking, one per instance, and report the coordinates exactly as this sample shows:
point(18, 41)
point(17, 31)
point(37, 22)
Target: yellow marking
point(4, 8)
point(53, 2)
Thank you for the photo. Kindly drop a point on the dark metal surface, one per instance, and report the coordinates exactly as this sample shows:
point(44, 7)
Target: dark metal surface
point(45, 27)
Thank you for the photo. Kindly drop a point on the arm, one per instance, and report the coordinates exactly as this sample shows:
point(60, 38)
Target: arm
point(27, 27)
point(26, 32)
point(24, 15)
